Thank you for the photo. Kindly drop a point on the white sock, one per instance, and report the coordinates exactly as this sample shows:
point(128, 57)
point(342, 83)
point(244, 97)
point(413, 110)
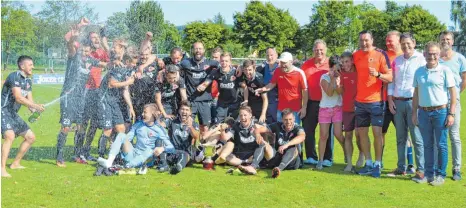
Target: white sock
point(369, 163)
point(377, 163)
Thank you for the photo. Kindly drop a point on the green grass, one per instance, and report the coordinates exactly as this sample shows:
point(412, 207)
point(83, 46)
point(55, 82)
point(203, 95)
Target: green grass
point(42, 184)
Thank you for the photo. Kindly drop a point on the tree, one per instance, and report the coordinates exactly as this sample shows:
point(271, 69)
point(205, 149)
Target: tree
point(218, 19)
point(17, 31)
point(116, 26)
point(171, 38)
point(143, 16)
point(56, 18)
point(262, 25)
point(207, 32)
point(336, 23)
point(378, 22)
point(458, 16)
point(421, 23)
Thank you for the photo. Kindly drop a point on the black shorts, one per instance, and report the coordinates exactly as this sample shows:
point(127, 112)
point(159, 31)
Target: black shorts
point(243, 155)
point(256, 108)
point(124, 111)
point(92, 105)
point(67, 110)
point(387, 118)
point(12, 121)
point(202, 110)
point(369, 113)
point(109, 114)
point(227, 110)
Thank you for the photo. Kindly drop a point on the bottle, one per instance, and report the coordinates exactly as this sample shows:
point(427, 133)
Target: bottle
point(33, 118)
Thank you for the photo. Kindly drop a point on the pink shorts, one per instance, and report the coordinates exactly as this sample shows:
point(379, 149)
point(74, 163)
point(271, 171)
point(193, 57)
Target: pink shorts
point(331, 115)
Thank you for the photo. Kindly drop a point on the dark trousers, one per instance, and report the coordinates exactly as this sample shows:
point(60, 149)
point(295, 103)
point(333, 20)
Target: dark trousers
point(309, 124)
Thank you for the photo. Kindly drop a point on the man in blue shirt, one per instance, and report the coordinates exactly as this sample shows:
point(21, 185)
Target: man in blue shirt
point(433, 82)
point(457, 64)
point(267, 69)
point(152, 139)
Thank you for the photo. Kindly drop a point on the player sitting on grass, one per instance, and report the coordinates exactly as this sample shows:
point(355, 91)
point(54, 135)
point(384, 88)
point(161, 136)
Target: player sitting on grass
point(152, 139)
point(184, 132)
point(243, 146)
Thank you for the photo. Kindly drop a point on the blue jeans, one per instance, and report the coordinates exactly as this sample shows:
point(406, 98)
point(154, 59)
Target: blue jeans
point(297, 120)
point(403, 124)
point(432, 126)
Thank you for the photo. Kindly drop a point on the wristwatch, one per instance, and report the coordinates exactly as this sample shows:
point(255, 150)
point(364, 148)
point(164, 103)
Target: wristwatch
point(451, 114)
point(378, 75)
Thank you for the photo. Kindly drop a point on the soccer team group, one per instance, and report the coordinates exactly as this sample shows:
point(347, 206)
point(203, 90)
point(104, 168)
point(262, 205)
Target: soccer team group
point(252, 114)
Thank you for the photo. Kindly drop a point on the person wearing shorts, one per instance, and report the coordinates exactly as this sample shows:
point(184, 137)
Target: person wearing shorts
point(195, 70)
point(330, 111)
point(17, 91)
point(372, 70)
point(348, 84)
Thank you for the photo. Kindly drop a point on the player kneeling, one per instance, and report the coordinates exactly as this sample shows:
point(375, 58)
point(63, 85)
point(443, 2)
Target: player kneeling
point(152, 139)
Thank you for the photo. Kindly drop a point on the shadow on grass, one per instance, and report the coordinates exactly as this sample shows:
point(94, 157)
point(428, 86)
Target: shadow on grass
point(45, 154)
point(337, 168)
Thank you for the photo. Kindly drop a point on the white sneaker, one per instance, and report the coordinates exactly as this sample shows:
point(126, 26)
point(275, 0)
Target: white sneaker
point(142, 170)
point(103, 162)
point(200, 157)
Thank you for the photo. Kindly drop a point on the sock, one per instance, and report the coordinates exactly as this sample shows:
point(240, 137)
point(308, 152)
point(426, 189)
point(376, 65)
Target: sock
point(102, 145)
point(61, 141)
point(258, 156)
point(410, 156)
point(78, 143)
point(163, 159)
point(377, 163)
point(287, 158)
point(369, 163)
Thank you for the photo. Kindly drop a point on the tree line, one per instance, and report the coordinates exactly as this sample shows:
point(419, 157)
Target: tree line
point(259, 26)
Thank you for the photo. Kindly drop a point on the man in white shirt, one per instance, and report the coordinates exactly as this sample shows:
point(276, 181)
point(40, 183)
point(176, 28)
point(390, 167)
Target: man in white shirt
point(400, 94)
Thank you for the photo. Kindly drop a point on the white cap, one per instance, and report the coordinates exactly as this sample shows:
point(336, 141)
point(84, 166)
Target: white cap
point(285, 57)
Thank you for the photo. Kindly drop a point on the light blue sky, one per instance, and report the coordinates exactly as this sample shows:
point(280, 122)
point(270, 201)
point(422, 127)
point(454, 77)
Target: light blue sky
point(182, 12)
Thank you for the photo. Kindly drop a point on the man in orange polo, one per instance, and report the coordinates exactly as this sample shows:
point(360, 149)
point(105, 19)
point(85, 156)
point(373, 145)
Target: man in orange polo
point(372, 71)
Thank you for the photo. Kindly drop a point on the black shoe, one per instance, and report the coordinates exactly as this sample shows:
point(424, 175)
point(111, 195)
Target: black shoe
point(175, 166)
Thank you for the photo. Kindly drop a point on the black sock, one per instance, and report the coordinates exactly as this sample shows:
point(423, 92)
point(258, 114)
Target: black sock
point(78, 143)
point(102, 145)
point(288, 157)
point(61, 141)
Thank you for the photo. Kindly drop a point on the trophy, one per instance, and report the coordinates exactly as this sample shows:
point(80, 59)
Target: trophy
point(209, 151)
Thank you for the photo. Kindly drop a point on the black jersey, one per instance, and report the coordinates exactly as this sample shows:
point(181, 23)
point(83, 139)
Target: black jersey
point(15, 79)
point(194, 74)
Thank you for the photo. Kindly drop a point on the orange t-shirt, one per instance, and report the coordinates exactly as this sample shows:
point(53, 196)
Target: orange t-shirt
point(369, 88)
point(313, 74)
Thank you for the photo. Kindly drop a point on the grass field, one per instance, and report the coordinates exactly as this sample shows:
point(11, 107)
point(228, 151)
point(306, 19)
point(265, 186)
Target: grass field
point(42, 184)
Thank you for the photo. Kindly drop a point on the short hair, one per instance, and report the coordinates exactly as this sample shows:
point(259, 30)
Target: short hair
point(132, 52)
point(217, 50)
point(247, 63)
point(185, 103)
point(121, 42)
point(172, 68)
point(176, 50)
point(334, 60)
point(246, 108)
point(226, 54)
point(272, 48)
point(153, 107)
point(319, 41)
point(431, 44)
point(286, 112)
point(407, 35)
point(366, 32)
point(446, 32)
point(347, 54)
point(394, 32)
point(230, 121)
point(198, 42)
point(21, 59)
